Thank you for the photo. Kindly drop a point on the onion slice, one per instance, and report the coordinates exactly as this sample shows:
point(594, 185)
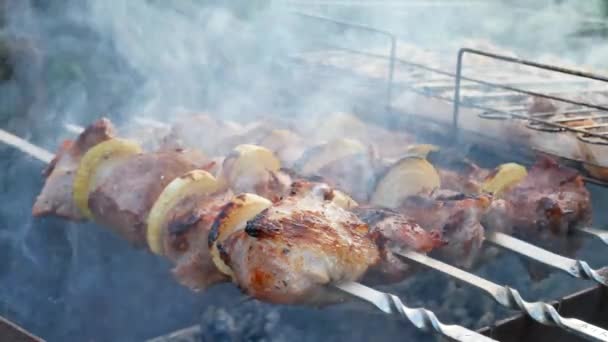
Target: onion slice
point(233, 218)
point(84, 178)
point(248, 164)
point(505, 176)
point(409, 176)
point(198, 182)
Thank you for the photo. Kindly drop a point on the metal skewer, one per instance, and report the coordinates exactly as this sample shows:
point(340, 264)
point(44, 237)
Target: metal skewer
point(598, 233)
point(421, 318)
point(510, 298)
point(25, 146)
point(575, 268)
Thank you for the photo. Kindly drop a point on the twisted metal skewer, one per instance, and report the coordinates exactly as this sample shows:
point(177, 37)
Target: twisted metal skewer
point(510, 298)
point(575, 268)
point(421, 318)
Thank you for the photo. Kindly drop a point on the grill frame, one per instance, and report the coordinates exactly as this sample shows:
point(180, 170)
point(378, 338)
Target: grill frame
point(590, 305)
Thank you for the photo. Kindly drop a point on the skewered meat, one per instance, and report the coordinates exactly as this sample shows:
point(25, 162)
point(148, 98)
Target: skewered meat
point(346, 164)
point(185, 235)
point(391, 229)
point(551, 199)
point(126, 192)
point(186, 134)
point(56, 195)
point(284, 250)
point(251, 168)
point(465, 177)
point(457, 217)
point(289, 251)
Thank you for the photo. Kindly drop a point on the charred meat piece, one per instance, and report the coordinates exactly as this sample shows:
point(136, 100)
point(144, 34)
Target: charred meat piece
point(457, 218)
point(55, 198)
point(125, 193)
point(289, 251)
point(466, 178)
point(185, 239)
point(390, 229)
point(551, 199)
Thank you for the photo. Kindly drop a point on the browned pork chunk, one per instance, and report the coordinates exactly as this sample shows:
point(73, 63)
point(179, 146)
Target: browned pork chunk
point(456, 217)
point(185, 239)
point(125, 193)
point(55, 199)
point(291, 250)
point(390, 229)
point(546, 205)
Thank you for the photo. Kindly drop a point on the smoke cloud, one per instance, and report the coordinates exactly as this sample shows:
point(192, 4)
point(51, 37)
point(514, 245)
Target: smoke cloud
point(73, 60)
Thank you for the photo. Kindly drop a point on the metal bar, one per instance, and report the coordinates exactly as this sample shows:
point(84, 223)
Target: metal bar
point(456, 113)
point(10, 331)
point(390, 35)
point(575, 268)
point(25, 146)
point(457, 100)
point(448, 83)
point(421, 318)
point(598, 233)
point(579, 118)
point(536, 64)
point(73, 128)
point(589, 305)
point(492, 96)
point(510, 298)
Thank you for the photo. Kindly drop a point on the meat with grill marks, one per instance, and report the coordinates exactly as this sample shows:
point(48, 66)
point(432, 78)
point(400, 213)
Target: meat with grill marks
point(551, 199)
point(291, 250)
point(543, 209)
point(185, 239)
point(456, 217)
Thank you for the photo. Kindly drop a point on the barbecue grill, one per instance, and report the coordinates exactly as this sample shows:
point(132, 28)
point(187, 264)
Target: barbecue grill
point(588, 304)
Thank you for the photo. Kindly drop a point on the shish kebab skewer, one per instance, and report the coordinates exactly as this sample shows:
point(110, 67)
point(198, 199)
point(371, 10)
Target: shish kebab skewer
point(421, 318)
point(258, 228)
point(508, 174)
point(350, 124)
point(497, 183)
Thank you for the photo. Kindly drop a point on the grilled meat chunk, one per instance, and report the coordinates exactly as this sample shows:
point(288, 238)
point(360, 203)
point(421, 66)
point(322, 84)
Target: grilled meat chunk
point(290, 250)
point(551, 199)
point(457, 218)
point(125, 193)
point(55, 199)
point(185, 240)
point(389, 228)
point(466, 179)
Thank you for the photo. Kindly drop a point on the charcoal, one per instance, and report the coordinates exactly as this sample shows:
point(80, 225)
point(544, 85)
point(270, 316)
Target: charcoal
point(246, 321)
